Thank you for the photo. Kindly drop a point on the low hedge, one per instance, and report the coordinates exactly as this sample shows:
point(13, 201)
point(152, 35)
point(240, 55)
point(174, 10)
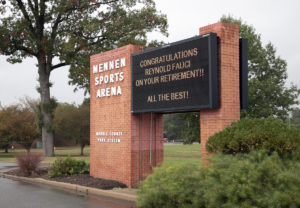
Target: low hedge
point(251, 180)
point(68, 166)
point(243, 136)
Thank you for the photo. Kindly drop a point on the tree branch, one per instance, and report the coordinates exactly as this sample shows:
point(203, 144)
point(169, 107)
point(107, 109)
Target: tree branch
point(55, 26)
point(26, 16)
point(27, 50)
point(58, 65)
point(41, 19)
point(35, 13)
point(36, 5)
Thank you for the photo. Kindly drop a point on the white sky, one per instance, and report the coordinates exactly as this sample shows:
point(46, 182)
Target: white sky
point(276, 20)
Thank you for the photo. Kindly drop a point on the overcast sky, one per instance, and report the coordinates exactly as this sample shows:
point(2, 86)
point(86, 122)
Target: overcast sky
point(277, 21)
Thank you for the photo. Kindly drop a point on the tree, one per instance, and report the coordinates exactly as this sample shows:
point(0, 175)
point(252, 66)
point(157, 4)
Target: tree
point(25, 128)
point(295, 120)
point(6, 134)
point(173, 127)
point(62, 119)
point(61, 33)
point(82, 117)
point(192, 131)
point(182, 127)
point(73, 123)
point(17, 123)
point(268, 93)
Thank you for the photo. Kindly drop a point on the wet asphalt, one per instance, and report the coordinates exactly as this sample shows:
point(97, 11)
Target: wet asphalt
point(17, 194)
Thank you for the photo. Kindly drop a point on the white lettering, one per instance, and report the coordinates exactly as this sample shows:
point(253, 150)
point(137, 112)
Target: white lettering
point(101, 79)
point(123, 62)
point(106, 79)
point(119, 91)
point(102, 92)
point(113, 91)
point(100, 67)
point(105, 66)
point(107, 92)
point(95, 69)
point(117, 76)
point(111, 65)
point(111, 78)
point(121, 76)
point(98, 93)
point(117, 63)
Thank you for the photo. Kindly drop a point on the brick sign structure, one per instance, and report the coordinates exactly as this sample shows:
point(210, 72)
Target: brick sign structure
point(125, 146)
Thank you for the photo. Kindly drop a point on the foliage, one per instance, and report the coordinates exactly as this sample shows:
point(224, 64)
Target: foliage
point(268, 93)
point(173, 127)
point(73, 123)
point(68, 166)
point(173, 186)
point(243, 136)
point(295, 120)
point(192, 132)
point(25, 128)
point(29, 163)
point(244, 180)
point(182, 127)
point(6, 134)
point(17, 123)
point(65, 33)
point(49, 108)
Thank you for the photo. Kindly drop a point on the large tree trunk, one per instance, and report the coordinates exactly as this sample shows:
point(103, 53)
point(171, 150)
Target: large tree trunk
point(46, 111)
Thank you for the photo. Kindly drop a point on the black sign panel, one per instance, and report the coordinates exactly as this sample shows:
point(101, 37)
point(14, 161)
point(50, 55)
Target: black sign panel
point(182, 76)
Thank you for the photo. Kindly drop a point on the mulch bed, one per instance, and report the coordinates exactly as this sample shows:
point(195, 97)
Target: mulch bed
point(79, 179)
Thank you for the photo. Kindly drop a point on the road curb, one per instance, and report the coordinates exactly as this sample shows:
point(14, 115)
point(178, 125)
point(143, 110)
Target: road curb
point(123, 194)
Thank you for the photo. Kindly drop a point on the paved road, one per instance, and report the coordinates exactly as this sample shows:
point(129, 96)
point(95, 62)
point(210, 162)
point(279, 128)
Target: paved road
point(16, 194)
point(6, 166)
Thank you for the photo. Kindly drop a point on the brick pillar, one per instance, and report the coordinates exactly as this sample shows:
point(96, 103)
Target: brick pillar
point(125, 157)
point(215, 120)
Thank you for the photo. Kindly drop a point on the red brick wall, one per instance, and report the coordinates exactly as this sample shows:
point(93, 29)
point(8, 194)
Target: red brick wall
point(120, 161)
point(212, 121)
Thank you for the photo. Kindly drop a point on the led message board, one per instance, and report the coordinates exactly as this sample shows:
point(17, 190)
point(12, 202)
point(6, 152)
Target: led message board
point(182, 76)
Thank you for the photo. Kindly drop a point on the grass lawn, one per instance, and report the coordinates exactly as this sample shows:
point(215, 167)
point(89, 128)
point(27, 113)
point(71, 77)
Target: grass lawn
point(178, 154)
point(173, 154)
point(180, 150)
point(74, 152)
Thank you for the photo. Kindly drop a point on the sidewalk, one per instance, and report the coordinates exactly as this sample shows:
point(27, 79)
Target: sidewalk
point(127, 194)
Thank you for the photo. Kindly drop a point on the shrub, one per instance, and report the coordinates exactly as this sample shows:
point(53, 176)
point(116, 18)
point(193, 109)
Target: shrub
point(256, 179)
point(68, 166)
point(29, 163)
point(249, 134)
